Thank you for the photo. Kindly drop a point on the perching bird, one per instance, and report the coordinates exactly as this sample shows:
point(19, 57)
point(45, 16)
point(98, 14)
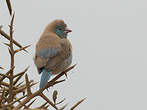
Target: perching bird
point(53, 51)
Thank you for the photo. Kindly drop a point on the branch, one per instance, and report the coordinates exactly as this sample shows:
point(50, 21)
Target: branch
point(37, 93)
point(1, 26)
point(72, 108)
point(27, 107)
point(1, 67)
point(47, 100)
point(2, 96)
point(31, 103)
point(19, 101)
point(19, 84)
point(58, 76)
point(23, 87)
point(11, 95)
point(9, 6)
point(16, 100)
point(23, 48)
point(28, 85)
point(42, 106)
point(21, 73)
point(60, 101)
point(3, 77)
point(6, 85)
point(7, 37)
point(57, 82)
point(18, 78)
point(62, 108)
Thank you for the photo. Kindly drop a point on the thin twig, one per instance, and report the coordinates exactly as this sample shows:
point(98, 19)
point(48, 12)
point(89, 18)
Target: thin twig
point(23, 88)
point(3, 77)
point(19, 84)
point(31, 103)
point(12, 60)
point(28, 85)
point(60, 101)
point(9, 6)
point(1, 26)
point(37, 93)
point(18, 78)
point(23, 48)
point(16, 100)
point(1, 67)
point(43, 105)
point(21, 73)
point(62, 108)
point(19, 101)
point(47, 100)
point(57, 82)
point(7, 85)
point(8, 37)
point(2, 96)
point(72, 108)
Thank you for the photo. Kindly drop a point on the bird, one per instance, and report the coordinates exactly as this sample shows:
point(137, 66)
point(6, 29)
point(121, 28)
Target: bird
point(53, 52)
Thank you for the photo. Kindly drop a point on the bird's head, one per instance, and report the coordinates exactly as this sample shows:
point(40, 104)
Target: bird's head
point(60, 28)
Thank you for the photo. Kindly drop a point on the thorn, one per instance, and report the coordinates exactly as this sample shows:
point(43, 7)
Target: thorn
point(1, 79)
point(31, 102)
point(11, 103)
point(10, 52)
point(61, 101)
point(23, 48)
point(19, 84)
point(46, 107)
point(57, 82)
point(43, 105)
point(7, 44)
point(66, 75)
point(21, 73)
point(1, 26)
point(47, 89)
point(77, 104)
point(62, 108)
point(1, 68)
point(47, 100)
point(8, 38)
point(2, 96)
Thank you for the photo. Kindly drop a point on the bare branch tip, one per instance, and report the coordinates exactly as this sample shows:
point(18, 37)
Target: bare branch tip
point(78, 103)
point(1, 26)
point(9, 6)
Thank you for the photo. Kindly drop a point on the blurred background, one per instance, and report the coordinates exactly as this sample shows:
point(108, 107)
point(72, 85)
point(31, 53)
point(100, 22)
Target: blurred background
point(109, 47)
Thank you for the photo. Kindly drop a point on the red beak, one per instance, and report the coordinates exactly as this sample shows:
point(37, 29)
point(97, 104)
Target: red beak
point(67, 30)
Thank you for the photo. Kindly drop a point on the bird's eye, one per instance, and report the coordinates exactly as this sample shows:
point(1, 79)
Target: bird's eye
point(60, 29)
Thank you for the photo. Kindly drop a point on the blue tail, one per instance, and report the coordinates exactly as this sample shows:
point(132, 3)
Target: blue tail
point(44, 78)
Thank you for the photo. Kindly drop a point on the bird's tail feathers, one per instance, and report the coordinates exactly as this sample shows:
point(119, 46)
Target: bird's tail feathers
point(45, 75)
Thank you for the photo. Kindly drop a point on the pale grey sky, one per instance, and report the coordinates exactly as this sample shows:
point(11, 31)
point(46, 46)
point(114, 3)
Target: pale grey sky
point(109, 46)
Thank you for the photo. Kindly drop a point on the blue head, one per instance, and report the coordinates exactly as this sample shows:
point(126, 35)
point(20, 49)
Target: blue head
point(61, 29)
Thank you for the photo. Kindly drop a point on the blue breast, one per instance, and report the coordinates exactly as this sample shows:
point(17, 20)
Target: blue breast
point(46, 53)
